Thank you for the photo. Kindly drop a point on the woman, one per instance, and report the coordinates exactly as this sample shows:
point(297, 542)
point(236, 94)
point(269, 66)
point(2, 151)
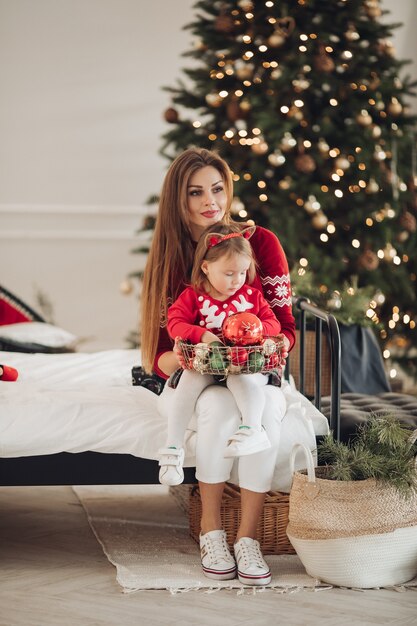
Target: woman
point(197, 192)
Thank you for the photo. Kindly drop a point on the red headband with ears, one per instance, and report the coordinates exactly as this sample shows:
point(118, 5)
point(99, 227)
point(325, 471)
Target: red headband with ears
point(216, 238)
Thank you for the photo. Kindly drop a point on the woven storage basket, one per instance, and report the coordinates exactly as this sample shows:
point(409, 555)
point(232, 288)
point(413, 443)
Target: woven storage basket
point(271, 531)
point(351, 533)
point(310, 364)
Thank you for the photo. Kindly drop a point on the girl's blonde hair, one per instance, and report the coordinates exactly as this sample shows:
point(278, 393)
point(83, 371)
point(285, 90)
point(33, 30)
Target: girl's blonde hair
point(171, 255)
point(214, 244)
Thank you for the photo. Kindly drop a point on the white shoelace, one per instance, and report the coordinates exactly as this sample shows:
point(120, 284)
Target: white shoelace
point(218, 549)
point(251, 554)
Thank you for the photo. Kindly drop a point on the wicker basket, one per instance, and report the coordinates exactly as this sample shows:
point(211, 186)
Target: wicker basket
point(271, 532)
point(222, 360)
point(310, 367)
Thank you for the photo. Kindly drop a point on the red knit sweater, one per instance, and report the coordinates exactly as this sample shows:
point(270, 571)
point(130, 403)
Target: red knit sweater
point(272, 279)
point(193, 313)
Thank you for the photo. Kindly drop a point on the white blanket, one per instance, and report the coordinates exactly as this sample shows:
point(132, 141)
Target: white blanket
point(79, 401)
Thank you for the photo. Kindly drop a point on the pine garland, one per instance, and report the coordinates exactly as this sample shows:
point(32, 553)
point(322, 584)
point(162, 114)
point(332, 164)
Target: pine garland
point(383, 449)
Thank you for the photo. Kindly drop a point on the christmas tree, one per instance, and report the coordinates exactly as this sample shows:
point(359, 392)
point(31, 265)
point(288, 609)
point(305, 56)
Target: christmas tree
point(305, 102)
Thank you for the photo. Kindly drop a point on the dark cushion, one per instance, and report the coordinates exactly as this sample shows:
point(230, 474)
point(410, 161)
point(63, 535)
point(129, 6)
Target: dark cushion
point(356, 407)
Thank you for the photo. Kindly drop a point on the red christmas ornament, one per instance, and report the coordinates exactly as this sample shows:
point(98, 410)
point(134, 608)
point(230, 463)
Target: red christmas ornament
point(238, 355)
point(272, 361)
point(243, 329)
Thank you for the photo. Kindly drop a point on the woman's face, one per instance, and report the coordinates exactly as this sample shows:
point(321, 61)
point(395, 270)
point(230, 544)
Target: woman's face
point(207, 199)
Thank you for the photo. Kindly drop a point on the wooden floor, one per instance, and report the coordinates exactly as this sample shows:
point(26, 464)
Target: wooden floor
point(53, 572)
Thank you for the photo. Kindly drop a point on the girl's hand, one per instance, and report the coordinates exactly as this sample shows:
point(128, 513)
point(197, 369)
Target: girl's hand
point(209, 337)
point(178, 353)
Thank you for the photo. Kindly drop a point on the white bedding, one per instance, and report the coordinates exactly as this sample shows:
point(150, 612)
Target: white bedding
point(80, 401)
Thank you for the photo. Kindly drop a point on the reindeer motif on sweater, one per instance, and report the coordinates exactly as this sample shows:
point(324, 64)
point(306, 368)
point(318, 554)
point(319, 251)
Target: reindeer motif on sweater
point(193, 313)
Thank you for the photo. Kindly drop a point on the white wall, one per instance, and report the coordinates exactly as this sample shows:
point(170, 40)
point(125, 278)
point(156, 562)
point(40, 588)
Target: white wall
point(81, 116)
point(81, 119)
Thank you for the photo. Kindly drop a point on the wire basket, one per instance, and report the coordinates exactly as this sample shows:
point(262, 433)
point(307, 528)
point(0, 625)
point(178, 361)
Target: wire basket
point(219, 359)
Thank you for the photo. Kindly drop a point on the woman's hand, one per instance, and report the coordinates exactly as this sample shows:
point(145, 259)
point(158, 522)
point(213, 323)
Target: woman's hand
point(284, 351)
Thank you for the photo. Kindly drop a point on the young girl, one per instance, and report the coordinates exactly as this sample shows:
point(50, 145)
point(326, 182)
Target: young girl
point(223, 270)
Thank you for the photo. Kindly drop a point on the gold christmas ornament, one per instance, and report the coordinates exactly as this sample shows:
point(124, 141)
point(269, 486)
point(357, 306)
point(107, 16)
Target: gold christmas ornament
point(376, 132)
point(234, 111)
point(244, 70)
point(213, 99)
point(403, 236)
point(395, 107)
point(246, 5)
point(342, 163)
point(224, 23)
point(373, 9)
point(287, 142)
point(305, 163)
point(322, 61)
point(260, 148)
point(319, 220)
point(276, 73)
point(126, 287)
point(276, 40)
point(408, 221)
point(171, 115)
point(276, 158)
point(236, 206)
point(245, 105)
point(363, 118)
point(285, 25)
point(300, 84)
point(368, 260)
point(311, 205)
point(372, 186)
point(323, 146)
point(352, 34)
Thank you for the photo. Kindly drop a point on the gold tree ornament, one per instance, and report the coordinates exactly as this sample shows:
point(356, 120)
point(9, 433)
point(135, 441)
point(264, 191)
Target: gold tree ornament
point(276, 40)
point(342, 162)
point(395, 107)
point(234, 111)
point(224, 23)
point(126, 287)
point(372, 186)
point(323, 61)
point(246, 5)
point(319, 220)
point(305, 163)
point(287, 142)
point(408, 222)
point(373, 9)
point(376, 132)
point(244, 70)
point(368, 260)
point(213, 99)
point(171, 115)
point(363, 118)
point(285, 25)
point(260, 148)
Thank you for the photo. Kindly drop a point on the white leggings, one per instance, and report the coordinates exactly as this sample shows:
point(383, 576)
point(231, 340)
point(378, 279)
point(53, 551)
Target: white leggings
point(246, 390)
point(216, 418)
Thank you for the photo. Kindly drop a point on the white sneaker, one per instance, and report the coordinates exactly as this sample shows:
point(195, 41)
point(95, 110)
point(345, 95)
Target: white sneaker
point(171, 462)
point(247, 440)
point(251, 567)
point(216, 560)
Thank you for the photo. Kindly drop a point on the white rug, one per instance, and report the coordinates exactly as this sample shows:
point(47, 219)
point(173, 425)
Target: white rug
point(144, 534)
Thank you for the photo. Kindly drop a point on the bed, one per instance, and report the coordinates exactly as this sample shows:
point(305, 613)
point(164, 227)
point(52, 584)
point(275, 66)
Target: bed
point(75, 418)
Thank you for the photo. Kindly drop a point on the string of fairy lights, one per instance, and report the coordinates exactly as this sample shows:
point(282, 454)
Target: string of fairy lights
point(349, 172)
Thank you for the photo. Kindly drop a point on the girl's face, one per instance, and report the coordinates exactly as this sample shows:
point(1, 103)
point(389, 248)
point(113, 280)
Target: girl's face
point(207, 199)
point(226, 275)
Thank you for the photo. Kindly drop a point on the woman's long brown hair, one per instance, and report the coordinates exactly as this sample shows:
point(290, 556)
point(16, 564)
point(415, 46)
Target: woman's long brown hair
point(171, 254)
